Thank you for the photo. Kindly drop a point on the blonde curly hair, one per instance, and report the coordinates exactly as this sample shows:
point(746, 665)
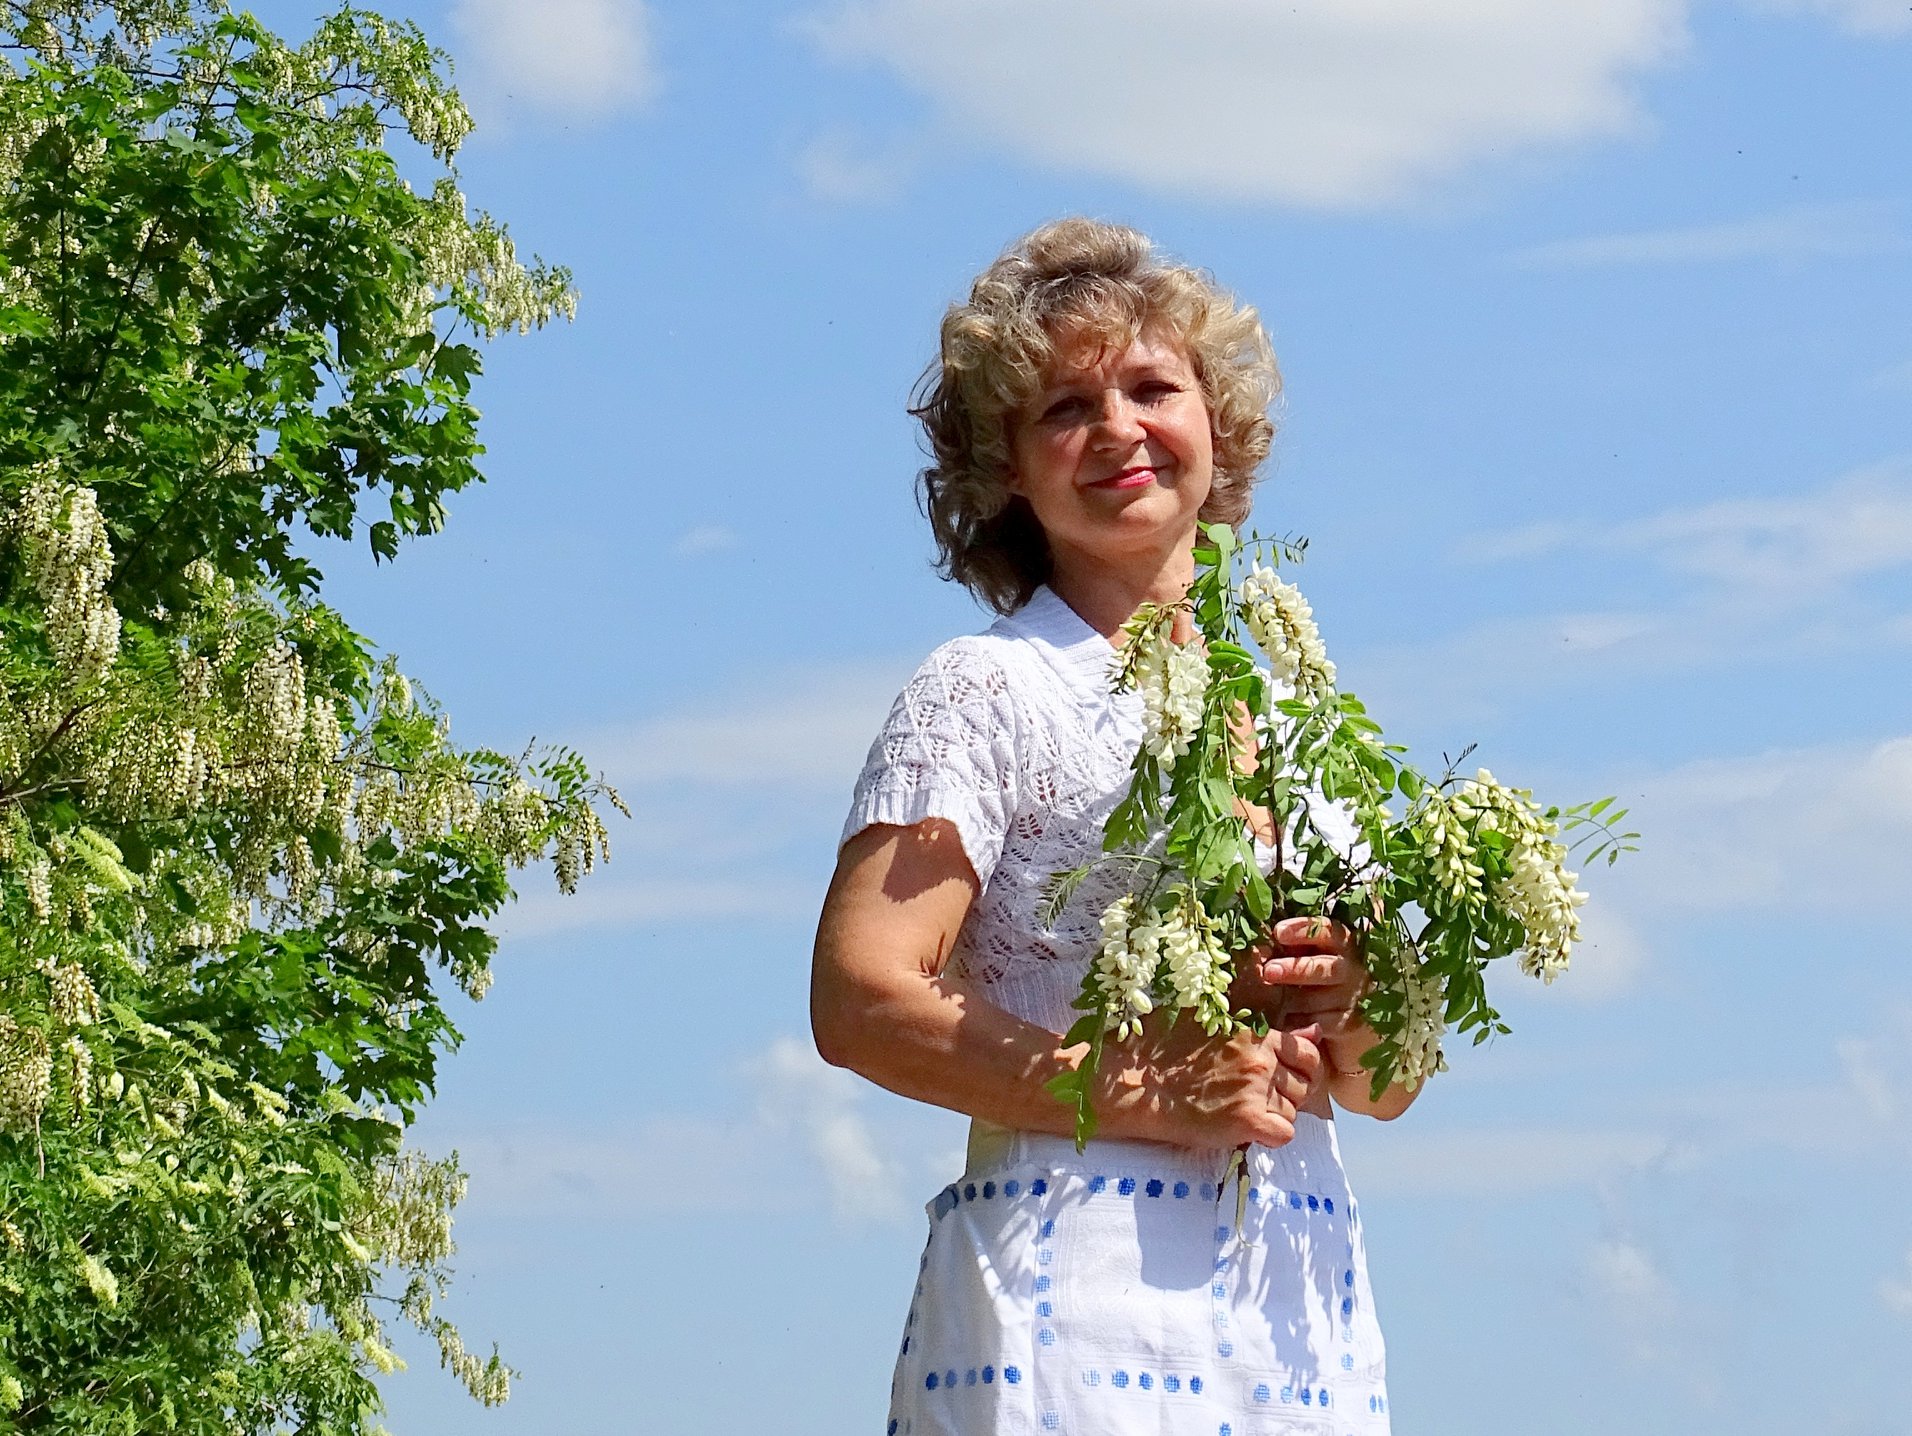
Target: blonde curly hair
point(1073, 282)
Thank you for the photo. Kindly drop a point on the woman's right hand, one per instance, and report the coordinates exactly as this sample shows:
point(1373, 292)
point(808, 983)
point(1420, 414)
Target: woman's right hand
point(1177, 1084)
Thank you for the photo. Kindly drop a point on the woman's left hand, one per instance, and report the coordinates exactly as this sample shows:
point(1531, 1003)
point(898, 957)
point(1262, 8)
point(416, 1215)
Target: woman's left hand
point(1312, 967)
point(1310, 972)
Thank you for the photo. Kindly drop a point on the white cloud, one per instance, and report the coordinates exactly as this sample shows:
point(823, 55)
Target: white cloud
point(1731, 833)
point(810, 1120)
point(705, 538)
point(724, 791)
point(1829, 231)
point(604, 901)
point(814, 741)
point(1498, 1162)
point(1611, 956)
point(1896, 1292)
point(1895, 378)
point(1874, 1068)
point(1334, 104)
point(1880, 18)
point(1857, 526)
point(581, 58)
point(839, 168)
point(1640, 1300)
point(1867, 1071)
point(822, 1105)
point(1757, 579)
point(1627, 1272)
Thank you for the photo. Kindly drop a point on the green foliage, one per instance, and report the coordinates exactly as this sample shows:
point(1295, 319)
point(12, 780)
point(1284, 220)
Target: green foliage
point(239, 858)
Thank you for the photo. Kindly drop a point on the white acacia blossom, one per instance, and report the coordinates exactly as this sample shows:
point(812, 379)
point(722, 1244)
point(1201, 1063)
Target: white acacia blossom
point(26, 1074)
point(1196, 964)
point(71, 564)
point(1448, 846)
point(1173, 951)
point(233, 723)
point(1424, 1023)
point(1538, 890)
point(1172, 679)
point(1123, 974)
point(1282, 625)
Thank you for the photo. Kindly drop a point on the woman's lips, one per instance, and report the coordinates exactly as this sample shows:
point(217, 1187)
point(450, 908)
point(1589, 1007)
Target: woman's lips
point(1127, 479)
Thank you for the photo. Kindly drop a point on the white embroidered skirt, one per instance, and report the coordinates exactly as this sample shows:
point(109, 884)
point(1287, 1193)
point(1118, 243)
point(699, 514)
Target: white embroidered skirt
point(1136, 1289)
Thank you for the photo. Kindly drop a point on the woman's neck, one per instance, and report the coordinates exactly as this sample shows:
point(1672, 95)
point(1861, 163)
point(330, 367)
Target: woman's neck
point(1105, 595)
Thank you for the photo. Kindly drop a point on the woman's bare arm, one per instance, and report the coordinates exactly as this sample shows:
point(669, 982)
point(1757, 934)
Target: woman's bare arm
point(882, 1005)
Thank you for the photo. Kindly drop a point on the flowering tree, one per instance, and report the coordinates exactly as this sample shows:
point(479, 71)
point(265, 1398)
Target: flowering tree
point(239, 856)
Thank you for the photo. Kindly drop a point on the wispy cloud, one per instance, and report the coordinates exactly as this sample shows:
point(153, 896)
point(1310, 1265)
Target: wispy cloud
point(735, 804)
point(1504, 1163)
point(1727, 833)
point(1896, 1291)
point(823, 1105)
point(582, 59)
point(1858, 525)
point(841, 168)
point(1896, 377)
point(1825, 232)
point(604, 900)
point(1882, 19)
point(815, 742)
point(704, 539)
point(1626, 1280)
point(1761, 579)
point(1319, 103)
point(1612, 955)
point(811, 1125)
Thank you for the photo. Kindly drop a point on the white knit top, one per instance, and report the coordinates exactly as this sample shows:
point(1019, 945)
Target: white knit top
point(1014, 737)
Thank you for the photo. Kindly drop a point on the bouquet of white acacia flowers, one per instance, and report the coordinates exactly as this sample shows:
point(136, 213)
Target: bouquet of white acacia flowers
point(1468, 871)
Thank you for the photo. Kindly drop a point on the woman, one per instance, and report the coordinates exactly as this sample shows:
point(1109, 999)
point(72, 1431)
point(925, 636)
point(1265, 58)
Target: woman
point(1092, 402)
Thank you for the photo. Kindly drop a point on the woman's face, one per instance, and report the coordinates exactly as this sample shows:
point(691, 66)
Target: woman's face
point(1115, 454)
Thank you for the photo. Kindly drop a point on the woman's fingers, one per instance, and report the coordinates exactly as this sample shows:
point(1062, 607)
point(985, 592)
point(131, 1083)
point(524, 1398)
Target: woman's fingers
point(1238, 1088)
point(1297, 1050)
point(1298, 1064)
point(1323, 971)
point(1294, 935)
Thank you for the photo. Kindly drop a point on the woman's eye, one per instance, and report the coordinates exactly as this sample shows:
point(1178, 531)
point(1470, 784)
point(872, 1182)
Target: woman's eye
point(1155, 390)
point(1067, 407)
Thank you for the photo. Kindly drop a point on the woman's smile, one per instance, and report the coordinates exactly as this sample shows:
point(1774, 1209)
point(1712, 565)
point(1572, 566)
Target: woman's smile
point(1132, 478)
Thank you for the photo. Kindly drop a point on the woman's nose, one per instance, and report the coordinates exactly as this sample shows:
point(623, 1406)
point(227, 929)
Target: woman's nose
point(1119, 421)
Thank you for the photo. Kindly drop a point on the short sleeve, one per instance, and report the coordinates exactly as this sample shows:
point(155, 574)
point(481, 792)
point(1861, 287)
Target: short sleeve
point(947, 750)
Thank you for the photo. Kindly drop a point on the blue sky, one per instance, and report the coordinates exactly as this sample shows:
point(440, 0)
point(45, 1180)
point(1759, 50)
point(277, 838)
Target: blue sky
point(1598, 334)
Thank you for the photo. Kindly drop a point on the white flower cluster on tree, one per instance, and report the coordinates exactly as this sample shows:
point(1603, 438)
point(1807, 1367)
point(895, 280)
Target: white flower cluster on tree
point(71, 564)
point(26, 1074)
point(241, 727)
